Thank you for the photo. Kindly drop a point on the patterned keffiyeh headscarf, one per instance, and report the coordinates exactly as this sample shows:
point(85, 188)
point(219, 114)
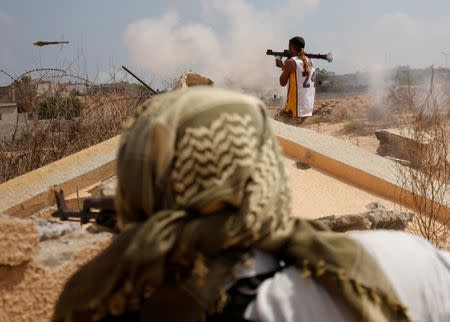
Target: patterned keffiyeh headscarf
point(201, 182)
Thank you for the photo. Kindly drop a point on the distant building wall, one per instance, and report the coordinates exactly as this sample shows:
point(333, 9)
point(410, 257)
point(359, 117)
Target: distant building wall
point(7, 94)
point(4, 93)
point(63, 89)
point(8, 113)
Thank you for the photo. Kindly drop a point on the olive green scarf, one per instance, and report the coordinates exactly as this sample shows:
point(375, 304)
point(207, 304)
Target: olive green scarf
point(201, 182)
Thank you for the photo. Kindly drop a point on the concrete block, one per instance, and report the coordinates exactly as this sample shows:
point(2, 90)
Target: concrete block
point(193, 79)
point(400, 144)
point(18, 240)
point(377, 217)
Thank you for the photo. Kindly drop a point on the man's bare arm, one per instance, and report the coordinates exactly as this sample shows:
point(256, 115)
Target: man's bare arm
point(289, 67)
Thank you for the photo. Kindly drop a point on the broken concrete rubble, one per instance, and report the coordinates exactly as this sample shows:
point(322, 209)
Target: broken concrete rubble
point(377, 217)
point(402, 146)
point(55, 253)
point(193, 79)
point(54, 229)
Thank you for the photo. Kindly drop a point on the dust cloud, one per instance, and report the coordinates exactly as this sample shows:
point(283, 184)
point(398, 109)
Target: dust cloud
point(233, 56)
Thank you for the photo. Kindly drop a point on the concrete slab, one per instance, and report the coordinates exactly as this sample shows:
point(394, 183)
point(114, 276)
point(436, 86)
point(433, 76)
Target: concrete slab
point(24, 195)
point(406, 134)
point(401, 144)
point(348, 162)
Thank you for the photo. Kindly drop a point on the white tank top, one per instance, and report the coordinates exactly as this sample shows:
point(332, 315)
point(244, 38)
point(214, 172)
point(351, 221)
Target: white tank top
point(301, 91)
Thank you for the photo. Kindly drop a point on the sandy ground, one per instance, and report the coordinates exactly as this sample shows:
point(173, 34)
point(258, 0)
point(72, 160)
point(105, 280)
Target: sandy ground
point(315, 194)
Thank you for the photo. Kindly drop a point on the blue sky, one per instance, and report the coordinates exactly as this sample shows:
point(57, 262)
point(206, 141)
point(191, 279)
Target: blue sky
point(360, 32)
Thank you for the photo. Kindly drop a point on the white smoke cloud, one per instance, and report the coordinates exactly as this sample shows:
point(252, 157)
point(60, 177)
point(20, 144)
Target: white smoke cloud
point(165, 46)
point(162, 45)
point(393, 39)
point(229, 39)
point(398, 38)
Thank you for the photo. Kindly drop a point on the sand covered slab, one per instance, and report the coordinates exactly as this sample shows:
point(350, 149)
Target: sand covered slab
point(33, 273)
point(18, 241)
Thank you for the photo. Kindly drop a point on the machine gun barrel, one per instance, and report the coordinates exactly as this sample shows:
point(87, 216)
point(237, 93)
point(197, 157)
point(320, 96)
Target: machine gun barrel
point(140, 80)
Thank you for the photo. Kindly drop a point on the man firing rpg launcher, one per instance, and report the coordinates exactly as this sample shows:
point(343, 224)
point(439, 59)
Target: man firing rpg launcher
point(299, 74)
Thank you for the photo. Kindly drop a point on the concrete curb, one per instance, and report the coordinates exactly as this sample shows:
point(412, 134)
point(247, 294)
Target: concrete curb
point(33, 191)
point(25, 195)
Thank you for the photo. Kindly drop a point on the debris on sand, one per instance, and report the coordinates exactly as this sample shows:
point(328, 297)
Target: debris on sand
point(377, 217)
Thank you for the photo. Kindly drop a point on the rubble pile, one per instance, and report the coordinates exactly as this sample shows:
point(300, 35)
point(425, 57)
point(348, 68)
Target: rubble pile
point(377, 217)
point(193, 79)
